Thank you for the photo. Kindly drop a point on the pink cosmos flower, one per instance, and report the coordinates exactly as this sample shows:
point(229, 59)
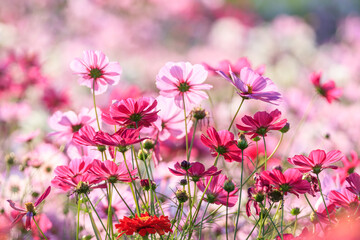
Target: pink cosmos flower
point(55, 100)
point(222, 143)
point(354, 182)
point(67, 123)
point(345, 199)
point(256, 194)
point(86, 136)
point(135, 113)
point(251, 85)
point(328, 89)
point(30, 210)
point(215, 193)
point(110, 171)
point(96, 71)
point(236, 68)
point(262, 123)
point(122, 138)
point(317, 161)
point(195, 171)
point(183, 80)
point(349, 166)
point(321, 213)
point(288, 182)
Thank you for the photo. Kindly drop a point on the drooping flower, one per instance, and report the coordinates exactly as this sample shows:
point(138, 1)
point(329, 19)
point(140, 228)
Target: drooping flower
point(354, 183)
point(29, 210)
point(96, 71)
point(135, 113)
point(349, 166)
point(328, 89)
point(216, 193)
point(196, 171)
point(251, 85)
point(222, 143)
point(317, 161)
point(110, 171)
point(236, 68)
point(183, 80)
point(144, 225)
point(262, 123)
point(288, 182)
point(256, 194)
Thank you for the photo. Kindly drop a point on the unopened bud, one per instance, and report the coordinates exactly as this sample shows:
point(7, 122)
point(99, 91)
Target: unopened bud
point(242, 142)
point(183, 182)
point(143, 154)
point(199, 113)
point(148, 144)
point(182, 196)
point(295, 211)
point(185, 165)
point(229, 186)
point(286, 128)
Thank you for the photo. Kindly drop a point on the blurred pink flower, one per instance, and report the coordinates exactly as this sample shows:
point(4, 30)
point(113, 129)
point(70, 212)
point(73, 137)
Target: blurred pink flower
point(345, 199)
point(261, 123)
point(354, 182)
point(288, 182)
point(195, 171)
point(216, 193)
point(110, 171)
point(236, 68)
point(183, 80)
point(317, 161)
point(349, 166)
point(30, 210)
point(122, 138)
point(328, 89)
point(251, 85)
point(55, 100)
point(136, 113)
point(96, 71)
point(222, 143)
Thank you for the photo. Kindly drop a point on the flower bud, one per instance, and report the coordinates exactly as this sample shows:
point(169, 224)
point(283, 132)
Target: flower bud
point(256, 139)
point(286, 128)
point(242, 142)
point(295, 211)
point(198, 113)
point(229, 186)
point(185, 165)
point(147, 185)
point(182, 196)
point(259, 197)
point(275, 196)
point(148, 144)
point(183, 182)
point(101, 148)
point(10, 159)
point(143, 154)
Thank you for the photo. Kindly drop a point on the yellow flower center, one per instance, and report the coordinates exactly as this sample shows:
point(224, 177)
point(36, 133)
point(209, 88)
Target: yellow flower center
point(30, 207)
point(144, 219)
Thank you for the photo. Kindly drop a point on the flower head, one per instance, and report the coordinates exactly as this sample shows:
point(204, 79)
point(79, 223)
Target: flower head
point(251, 85)
point(317, 161)
point(144, 225)
point(236, 68)
point(354, 183)
point(96, 71)
point(345, 199)
point(195, 171)
point(222, 143)
point(288, 182)
point(328, 89)
point(349, 166)
point(136, 113)
point(29, 210)
point(262, 123)
point(183, 80)
point(110, 171)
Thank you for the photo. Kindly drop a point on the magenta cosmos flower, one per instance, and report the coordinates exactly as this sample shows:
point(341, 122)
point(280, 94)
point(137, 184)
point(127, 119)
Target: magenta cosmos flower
point(251, 85)
point(135, 113)
point(262, 123)
point(345, 199)
point(183, 80)
point(30, 209)
point(288, 182)
point(122, 138)
point(317, 161)
point(354, 183)
point(195, 170)
point(96, 71)
point(328, 89)
point(215, 192)
point(222, 143)
point(349, 165)
point(110, 171)
point(86, 136)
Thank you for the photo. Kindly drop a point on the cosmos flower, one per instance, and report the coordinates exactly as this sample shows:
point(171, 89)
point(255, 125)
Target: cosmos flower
point(122, 138)
point(261, 123)
point(354, 183)
point(183, 80)
point(236, 68)
point(143, 225)
point(30, 209)
point(251, 85)
point(96, 71)
point(288, 182)
point(216, 193)
point(135, 113)
point(345, 199)
point(222, 143)
point(86, 136)
point(196, 171)
point(328, 89)
point(317, 161)
point(349, 165)
point(110, 171)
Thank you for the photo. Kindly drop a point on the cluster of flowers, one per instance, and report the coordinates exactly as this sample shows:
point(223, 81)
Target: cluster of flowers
point(106, 140)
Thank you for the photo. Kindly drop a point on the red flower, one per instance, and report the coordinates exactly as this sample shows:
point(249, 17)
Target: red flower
point(195, 171)
point(30, 210)
point(317, 161)
point(222, 143)
point(108, 170)
point(328, 89)
point(262, 123)
point(288, 182)
point(144, 225)
point(137, 113)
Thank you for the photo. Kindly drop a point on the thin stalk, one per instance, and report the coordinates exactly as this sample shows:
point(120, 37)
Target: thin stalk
point(277, 146)
point(179, 219)
point(268, 213)
point(232, 121)
point(109, 220)
point(282, 219)
point(123, 200)
point(78, 219)
point(186, 130)
point(241, 185)
point(37, 225)
point(266, 159)
point(97, 117)
point(227, 213)
point(192, 139)
point(107, 233)
point(252, 230)
point(294, 229)
point(322, 196)
point(173, 222)
point(202, 220)
point(312, 208)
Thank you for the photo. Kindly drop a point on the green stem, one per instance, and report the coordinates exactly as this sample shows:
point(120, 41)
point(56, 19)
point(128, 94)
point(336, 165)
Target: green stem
point(252, 230)
point(277, 146)
point(78, 219)
point(186, 130)
point(282, 219)
point(192, 140)
point(266, 159)
point(97, 117)
point(202, 220)
point(179, 219)
point(37, 225)
point(132, 213)
point(227, 212)
point(294, 229)
point(241, 185)
point(322, 196)
point(312, 208)
point(272, 222)
point(109, 220)
point(174, 220)
point(232, 121)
